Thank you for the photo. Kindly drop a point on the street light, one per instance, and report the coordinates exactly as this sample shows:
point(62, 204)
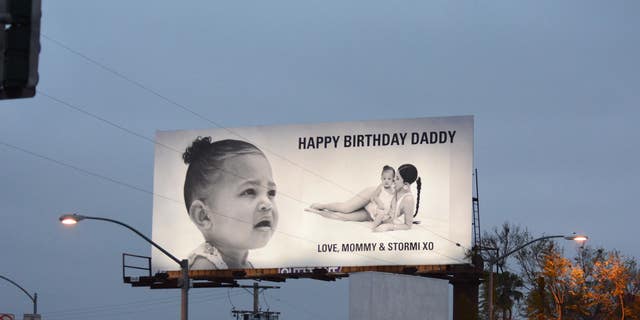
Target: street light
point(71, 219)
point(493, 262)
point(34, 297)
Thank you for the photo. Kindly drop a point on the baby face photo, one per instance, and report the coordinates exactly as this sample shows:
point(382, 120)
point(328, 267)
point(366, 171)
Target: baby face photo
point(248, 202)
point(230, 197)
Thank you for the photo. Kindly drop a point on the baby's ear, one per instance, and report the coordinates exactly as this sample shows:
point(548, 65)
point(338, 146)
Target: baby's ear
point(198, 214)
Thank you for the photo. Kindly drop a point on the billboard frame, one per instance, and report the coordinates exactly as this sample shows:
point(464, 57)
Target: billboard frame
point(163, 217)
point(229, 277)
point(464, 278)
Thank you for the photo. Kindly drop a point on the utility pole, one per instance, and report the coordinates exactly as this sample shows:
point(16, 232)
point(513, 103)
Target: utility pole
point(256, 313)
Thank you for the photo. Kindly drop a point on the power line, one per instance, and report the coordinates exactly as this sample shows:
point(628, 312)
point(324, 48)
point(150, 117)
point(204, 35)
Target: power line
point(296, 306)
point(229, 296)
point(191, 111)
point(110, 311)
point(87, 172)
point(264, 296)
point(198, 115)
point(141, 136)
point(197, 298)
point(115, 125)
point(106, 178)
point(164, 197)
point(111, 123)
point(183, 107)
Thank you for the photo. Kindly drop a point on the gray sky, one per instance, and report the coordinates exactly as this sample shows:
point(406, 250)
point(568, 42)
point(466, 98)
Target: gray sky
point(554, 88)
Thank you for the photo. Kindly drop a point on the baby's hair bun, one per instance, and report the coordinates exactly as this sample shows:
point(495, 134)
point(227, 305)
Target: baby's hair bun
point(199, 147)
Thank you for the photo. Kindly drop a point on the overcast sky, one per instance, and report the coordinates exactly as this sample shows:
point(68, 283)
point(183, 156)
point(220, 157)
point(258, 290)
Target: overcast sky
point(554, 88)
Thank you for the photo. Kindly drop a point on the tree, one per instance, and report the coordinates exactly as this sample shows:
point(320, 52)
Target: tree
point(596, 285)
point(507, 285)
point(599, 285)
point(632, 299)
point(548, 271)
point(508, 293)
point(612, 277)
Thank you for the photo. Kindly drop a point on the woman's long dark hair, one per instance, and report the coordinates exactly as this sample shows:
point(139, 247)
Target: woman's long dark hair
point(409, 174)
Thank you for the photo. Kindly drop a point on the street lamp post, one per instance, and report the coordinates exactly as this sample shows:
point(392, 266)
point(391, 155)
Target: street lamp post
point(34, 297)
point(494, 262)
point(71, 219)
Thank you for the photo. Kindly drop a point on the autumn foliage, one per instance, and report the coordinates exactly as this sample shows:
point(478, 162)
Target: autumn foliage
point(596, 284)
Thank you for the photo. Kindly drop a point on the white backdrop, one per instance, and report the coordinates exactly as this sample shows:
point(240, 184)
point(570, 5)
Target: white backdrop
point(305, 176)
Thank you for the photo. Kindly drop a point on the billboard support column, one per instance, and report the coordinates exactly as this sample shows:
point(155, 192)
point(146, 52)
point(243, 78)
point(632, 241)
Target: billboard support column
point(184, 310)
point(465, 294)
point(256, 304)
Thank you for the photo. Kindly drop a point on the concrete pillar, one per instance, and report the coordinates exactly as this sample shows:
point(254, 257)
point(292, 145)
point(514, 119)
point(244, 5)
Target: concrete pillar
point(384, 296)
point(465, 295)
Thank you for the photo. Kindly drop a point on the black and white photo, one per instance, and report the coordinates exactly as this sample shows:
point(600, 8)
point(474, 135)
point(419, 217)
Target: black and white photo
point(389, 192)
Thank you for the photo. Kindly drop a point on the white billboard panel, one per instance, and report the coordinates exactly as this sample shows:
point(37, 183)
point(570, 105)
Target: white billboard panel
point(393, 192)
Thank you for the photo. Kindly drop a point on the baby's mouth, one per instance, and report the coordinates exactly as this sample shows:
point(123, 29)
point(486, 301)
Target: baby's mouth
point(263, 225)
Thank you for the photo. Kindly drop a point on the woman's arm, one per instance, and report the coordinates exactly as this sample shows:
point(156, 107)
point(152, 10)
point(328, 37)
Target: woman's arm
point(407, 209)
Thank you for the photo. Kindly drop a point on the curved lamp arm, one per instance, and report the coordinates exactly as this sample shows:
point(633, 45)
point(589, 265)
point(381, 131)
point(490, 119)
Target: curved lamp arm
point(184, 264)
point(74, 218)
point(495, 261)
point(571, 237)
point(33, 298)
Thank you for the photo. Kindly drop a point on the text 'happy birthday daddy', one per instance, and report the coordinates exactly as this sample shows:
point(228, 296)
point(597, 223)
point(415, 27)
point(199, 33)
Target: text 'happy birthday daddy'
point(376, 139)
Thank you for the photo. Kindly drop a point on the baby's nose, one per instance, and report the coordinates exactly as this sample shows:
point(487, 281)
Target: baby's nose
point(265, 206)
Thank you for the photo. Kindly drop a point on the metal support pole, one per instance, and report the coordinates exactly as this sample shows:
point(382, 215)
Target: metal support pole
point(33, 298)
point(184, 264)
point(491, 291)
point(256, 303)
point(184, 310)
point(494, 262)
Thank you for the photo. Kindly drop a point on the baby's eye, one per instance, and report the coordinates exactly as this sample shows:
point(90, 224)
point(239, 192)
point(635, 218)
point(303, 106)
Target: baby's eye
point(271, 193)
point(249, 192)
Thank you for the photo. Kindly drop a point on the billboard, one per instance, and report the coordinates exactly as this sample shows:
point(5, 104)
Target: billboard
point(373, 193)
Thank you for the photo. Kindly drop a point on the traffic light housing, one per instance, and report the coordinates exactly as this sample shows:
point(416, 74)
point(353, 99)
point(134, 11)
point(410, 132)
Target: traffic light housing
point(19, 47)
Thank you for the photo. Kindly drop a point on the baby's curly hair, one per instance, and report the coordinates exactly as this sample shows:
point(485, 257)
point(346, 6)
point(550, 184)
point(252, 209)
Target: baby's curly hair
point(205, 159)
point(388, 168)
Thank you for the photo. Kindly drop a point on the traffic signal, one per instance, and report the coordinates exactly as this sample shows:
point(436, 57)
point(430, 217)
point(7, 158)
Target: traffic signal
point(19, 47)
